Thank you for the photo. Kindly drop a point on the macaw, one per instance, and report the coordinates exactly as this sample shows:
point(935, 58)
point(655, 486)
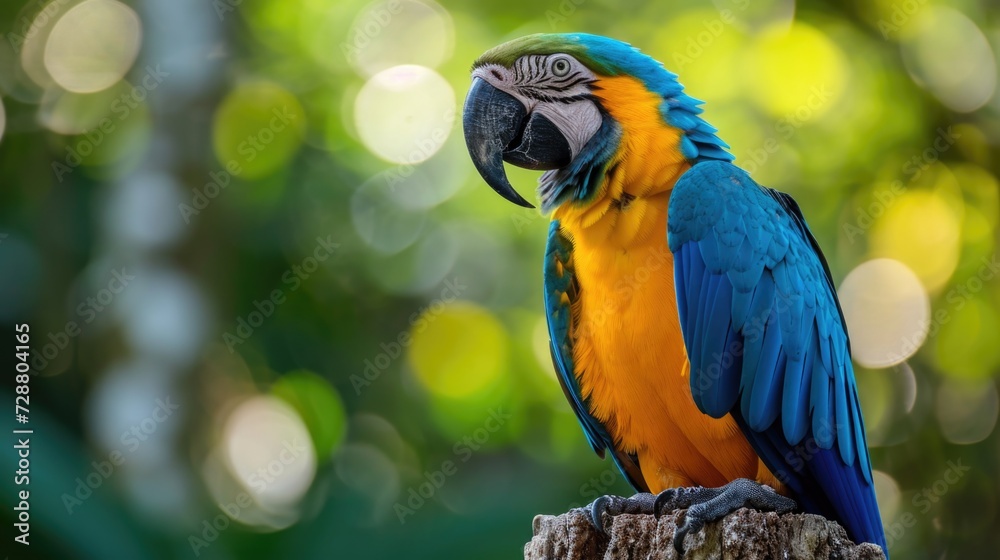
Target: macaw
point(693, 319)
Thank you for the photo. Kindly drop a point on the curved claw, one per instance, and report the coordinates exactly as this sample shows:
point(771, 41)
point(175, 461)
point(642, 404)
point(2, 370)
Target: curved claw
point(694, 520)
point(641, 503)
point(663, 502)
point(597, 510)
point(684, 528)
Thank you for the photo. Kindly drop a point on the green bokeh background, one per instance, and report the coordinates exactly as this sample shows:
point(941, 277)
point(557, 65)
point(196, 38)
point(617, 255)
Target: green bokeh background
point(245, 171)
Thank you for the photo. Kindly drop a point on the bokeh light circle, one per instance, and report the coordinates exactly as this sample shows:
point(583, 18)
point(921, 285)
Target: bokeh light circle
point(754, 15)
point(424, 186)
point(367, 470)
point(967, 410)
point(906, 385)
point(267, 449)
point(948, 55)
point(394, 32)
point(130, 394)
point(258, 127)
point(29, 42)
point(66, 112)
point(405, 114)
point(921, 229)
point(382, 223)
point(887, 494)
point(887, 312)
point(163, 313)
point(135, 215)
point(797, 73)
point(705, 61)
point(93, 45)
point(888, 400)
point(458, 349)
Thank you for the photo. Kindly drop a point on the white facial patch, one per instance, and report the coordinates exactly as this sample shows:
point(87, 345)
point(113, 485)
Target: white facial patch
point(556, 86)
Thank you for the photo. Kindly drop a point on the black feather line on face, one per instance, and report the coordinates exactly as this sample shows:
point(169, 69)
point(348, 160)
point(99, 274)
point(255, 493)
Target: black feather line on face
point(575, 78)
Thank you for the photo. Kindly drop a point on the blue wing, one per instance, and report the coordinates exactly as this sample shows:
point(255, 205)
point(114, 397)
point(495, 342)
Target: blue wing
point(561, 290)
point(767, 340)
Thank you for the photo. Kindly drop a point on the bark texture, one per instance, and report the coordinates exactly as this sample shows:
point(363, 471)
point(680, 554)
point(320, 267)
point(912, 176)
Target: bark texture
point(743, 535)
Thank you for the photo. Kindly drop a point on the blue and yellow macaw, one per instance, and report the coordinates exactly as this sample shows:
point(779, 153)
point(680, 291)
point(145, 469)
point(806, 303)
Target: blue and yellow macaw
point(693, 320)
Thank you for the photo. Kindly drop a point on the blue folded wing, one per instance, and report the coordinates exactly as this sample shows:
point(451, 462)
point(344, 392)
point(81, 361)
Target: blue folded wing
point(767, 340)
point(561, 290)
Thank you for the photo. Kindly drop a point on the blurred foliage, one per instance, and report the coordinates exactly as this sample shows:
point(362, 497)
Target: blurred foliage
point(213, 201)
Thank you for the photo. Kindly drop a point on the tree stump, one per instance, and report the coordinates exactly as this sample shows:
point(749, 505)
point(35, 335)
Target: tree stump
point(742, 535)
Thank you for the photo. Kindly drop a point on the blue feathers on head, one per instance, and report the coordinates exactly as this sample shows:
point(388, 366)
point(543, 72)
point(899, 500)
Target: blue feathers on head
point(615, 58)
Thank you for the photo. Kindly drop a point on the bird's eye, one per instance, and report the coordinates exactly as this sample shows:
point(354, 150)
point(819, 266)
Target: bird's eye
point(560, 67)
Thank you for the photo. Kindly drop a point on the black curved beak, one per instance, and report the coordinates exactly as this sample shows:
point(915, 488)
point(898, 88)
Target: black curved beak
point(499, 128)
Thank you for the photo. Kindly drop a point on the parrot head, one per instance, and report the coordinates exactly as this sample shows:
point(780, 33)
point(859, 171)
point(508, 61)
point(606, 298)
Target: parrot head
point(565, 103)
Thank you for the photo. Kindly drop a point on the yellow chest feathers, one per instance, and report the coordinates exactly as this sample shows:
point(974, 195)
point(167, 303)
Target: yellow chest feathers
point(627, 344)
point(627, 340)
point(632, 202)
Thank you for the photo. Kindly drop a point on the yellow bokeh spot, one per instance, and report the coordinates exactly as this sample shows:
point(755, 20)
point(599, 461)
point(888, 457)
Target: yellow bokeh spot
point(966, 346)
point(702, 47)
point(458, 349)
point(257, 129)
point(921, 230)
point(795, 73)
point(891, 17)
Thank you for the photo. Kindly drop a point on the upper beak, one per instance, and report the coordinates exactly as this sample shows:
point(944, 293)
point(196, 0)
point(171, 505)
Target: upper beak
point(499, 128)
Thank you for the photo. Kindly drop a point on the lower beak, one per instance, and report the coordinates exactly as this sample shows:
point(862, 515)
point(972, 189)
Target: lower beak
point(499, 128)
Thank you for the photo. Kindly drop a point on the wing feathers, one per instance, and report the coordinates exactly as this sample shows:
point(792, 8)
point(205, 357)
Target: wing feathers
point(750, 274)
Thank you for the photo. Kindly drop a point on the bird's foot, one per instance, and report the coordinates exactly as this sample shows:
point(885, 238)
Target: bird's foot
point(603, 509)
point(705, 505)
